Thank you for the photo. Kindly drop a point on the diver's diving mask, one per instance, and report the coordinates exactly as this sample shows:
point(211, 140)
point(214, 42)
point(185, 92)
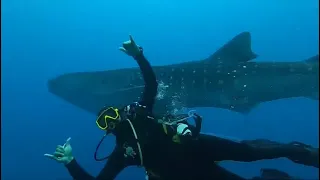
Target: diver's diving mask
point(108, 118)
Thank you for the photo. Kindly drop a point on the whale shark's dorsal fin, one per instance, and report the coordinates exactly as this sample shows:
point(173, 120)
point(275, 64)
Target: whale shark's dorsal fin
point(236, 50)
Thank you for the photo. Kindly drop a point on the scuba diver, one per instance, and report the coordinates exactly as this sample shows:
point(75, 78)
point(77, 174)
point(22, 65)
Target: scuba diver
point(168, 147)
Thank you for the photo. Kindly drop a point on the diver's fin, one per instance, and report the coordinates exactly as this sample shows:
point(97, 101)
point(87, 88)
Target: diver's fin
point(236, 50)
point(266, 174)
point(313, 59)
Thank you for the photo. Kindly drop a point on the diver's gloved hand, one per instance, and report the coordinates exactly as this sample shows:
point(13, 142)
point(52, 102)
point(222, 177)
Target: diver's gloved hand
point(197, 118)
point(63, 154)
point(131, 48)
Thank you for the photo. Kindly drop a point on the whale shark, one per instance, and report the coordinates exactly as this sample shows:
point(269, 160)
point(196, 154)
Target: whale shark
point(228, 79)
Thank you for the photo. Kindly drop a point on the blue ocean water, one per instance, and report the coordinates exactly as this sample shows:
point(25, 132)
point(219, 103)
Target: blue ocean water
point(45, 38)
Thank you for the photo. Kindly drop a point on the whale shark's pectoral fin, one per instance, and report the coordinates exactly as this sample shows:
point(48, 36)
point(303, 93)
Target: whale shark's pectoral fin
point(240, 104)
point(236, 50)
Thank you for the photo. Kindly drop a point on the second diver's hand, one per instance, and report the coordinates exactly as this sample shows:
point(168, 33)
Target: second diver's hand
point(131, 48)
point(63, 153)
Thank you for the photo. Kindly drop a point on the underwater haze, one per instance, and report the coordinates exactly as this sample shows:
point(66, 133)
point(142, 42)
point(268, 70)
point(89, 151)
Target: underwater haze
point(41, 39)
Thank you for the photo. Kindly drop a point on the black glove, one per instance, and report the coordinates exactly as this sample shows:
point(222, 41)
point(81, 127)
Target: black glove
point(198, 120)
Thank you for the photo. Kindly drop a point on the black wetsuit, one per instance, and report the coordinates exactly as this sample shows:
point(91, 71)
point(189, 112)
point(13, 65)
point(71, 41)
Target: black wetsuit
point(168, 160)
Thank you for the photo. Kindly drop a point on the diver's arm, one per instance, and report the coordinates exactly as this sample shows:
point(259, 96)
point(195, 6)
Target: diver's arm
point(151, 85)
point(113, 167)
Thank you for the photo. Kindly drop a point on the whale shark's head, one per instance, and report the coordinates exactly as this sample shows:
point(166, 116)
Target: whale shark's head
point(94, 90)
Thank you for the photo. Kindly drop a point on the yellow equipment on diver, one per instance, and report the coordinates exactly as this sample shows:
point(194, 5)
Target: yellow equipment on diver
point(108, 118)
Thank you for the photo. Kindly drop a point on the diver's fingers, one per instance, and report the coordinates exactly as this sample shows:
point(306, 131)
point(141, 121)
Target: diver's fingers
point(191, 113)
point(51, 156)
point(197, 117)
point(58, 154)
point(48, 155)
point(60, 149)
point(126, 43)
point(123, 50)
point(131, 39)
point(67, 142)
